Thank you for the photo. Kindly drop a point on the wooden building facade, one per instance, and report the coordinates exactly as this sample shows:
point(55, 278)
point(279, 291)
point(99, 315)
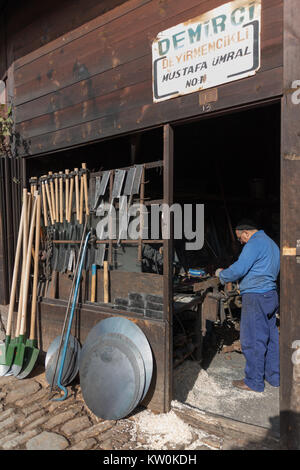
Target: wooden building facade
point(78, 73)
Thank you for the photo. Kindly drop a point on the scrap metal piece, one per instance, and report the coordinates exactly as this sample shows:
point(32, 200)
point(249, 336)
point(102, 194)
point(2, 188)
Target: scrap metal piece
point(100, 253)
point(118, 183)
point(137, 179)
point(112, 376)
point(104, 181)
point(129, 181)
point(97, 192)
point(131, 331)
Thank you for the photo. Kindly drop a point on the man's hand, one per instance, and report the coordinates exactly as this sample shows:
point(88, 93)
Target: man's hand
point(217, 273)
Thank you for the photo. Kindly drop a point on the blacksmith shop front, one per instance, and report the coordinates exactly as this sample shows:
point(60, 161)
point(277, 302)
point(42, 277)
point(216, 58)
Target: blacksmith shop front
point(191, 104)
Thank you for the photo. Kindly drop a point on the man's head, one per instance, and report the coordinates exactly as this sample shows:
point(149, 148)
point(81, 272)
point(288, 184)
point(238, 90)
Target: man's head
point(244, 230)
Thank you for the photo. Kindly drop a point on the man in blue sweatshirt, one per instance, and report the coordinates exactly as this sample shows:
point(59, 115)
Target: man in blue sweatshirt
point(256, 270)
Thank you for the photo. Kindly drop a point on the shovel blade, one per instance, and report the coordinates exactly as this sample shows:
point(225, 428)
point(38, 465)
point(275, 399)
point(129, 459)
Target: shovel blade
point(3, 351)
point(30, 357)
point(19, 356)
point(4, 370)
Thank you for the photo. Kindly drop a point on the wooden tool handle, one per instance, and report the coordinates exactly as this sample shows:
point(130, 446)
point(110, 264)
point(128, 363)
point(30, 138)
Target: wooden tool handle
point(27, 270)
point(36, 267)
point(52, 196)
point(49, 202)
point(61, 209)
point(71, 199)
point(25, 236)
point(77, 193)
point(56, 198)
point(15, 274)
point(81, 200)
point(44, 205)
point(67, 194)
point(86, 197)
point(105, 282)
point(93, 286)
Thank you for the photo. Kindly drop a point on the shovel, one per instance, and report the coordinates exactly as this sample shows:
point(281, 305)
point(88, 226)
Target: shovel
point(31, 351)
point(20, 351)
point(5, 360)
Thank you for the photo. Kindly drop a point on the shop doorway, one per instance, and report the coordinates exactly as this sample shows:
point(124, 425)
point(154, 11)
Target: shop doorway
point(231, 164)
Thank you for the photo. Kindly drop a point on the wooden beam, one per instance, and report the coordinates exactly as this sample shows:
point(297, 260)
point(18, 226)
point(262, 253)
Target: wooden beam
point(168, 143)
point(290, 233)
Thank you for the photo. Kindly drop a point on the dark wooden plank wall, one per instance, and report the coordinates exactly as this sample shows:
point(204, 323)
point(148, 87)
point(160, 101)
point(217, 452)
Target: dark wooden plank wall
point(95, 81)
point(290, 233)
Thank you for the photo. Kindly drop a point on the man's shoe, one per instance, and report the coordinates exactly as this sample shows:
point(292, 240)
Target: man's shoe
point(242, 386)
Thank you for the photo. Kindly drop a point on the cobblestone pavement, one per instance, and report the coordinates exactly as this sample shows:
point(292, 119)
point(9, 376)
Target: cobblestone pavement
point(30, 420)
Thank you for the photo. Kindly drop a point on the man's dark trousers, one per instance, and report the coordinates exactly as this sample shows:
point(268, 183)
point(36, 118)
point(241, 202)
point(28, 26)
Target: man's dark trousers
point(260, 339)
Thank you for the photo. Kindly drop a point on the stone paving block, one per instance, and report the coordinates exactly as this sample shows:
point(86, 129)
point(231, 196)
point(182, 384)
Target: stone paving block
point(8, 437)
point(47, 441)
point(36, 423)
point(6, 414)
point(32, 408)
point(106, 445)
point(37, 397)
point(23, 422)
point(2, 395)
point(22, 393)
point(19, 440)
point(84, 445)
point(76, 425)
point(94, 430)
point(104, 436)
point(54, 405)
point(8, 423)
point(60, 419)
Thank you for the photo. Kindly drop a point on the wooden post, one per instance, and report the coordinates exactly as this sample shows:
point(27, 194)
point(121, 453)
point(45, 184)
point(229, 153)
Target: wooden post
point(290, 233)
point(168, 264)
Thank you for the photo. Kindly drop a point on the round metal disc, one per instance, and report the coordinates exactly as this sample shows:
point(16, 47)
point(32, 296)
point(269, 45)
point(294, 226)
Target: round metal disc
point(71, 365)
point(130, 330)
point(112, 376)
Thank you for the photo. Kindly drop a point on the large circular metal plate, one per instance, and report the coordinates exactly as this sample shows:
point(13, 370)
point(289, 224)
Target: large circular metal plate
point(112, 376)
point(71, 364)
point(129, 329)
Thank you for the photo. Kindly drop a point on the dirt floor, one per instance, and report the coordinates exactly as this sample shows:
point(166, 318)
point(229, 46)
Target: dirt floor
point(211, 390)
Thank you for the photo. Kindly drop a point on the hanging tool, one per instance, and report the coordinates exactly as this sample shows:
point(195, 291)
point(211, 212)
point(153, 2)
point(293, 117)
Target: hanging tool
point(18, 360)
point(71, 176)
point(31, 350)
point(55, 176)
point(62, 387)
point(85, 188)
point(61, 209)
point(45, 182)
point(45, 210)
point(52, 195)
point(5, 360)
point(77, 193)
point(67, 192)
